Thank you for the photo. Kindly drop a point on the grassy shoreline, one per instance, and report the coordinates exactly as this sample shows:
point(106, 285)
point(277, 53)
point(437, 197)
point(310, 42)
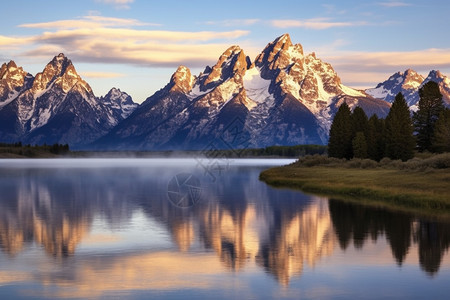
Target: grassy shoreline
point(422, 184)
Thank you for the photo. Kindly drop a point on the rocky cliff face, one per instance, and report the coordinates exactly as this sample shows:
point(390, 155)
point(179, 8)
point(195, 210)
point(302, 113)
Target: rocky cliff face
point(283, 97)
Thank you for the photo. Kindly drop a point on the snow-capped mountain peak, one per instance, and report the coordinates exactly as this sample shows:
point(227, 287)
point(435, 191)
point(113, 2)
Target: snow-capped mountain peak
point(408, 83)
point(120, 103)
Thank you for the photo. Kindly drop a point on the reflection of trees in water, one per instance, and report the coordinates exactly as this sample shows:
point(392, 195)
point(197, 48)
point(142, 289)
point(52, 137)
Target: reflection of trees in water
point(357, 223)
point(434, 240)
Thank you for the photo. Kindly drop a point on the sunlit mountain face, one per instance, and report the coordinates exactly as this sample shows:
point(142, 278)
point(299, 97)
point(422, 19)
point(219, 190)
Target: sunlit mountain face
point(66, 225)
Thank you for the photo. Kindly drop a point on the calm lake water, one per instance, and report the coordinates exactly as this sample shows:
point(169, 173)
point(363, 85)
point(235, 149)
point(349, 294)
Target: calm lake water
point(187, 228)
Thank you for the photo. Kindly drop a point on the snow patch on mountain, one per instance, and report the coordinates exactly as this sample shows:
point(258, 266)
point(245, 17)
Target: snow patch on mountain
point(351, 92)
point(256, 87)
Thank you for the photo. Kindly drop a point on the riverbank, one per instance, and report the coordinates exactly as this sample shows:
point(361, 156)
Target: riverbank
point(419, 183)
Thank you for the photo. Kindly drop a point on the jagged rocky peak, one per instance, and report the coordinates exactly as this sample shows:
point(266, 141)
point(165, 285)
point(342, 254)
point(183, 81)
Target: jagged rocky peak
point(120, 102)
point(10, 71)
point(7, 68)
point(406, 82)
point(436, 74)
point(115, 95)
point(59, 66)
point(279, 54)
point(182, 80)
point(12, 80)
point(231, 63)
point(412, 79)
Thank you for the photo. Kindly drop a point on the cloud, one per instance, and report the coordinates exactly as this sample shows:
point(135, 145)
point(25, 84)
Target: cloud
point(88, 22)
point(120, 41)
point(118, 4)
point(316, 23)
point(7, 42)
point(394, 4)
point(101, 74)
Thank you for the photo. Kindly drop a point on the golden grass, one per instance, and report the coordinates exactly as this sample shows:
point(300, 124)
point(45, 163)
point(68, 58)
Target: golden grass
point(428, 189)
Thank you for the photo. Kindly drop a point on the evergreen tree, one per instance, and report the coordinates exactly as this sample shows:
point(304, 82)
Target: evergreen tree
point(399, 131)
point(430, 107)
point(340, 140)
point(359, 145)
point(375, 138)
point(441, 138)
point(360, 126)
point(360, 122)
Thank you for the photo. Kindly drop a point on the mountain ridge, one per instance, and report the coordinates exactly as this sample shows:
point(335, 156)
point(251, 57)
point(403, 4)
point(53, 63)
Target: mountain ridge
point(282, 97)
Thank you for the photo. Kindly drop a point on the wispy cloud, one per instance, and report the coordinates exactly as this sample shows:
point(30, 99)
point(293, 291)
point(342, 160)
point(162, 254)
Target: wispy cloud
point(88, 22)
point(118, 4)
point(394, 4)
point(116, 40)
point(316, 23)
point(7, 42)
point(101, 74)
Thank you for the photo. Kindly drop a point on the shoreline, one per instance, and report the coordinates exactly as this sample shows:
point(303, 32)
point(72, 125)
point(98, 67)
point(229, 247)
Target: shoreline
point(425, 190)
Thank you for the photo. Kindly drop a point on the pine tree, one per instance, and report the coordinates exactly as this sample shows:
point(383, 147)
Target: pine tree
point(441, 138)
point(430, 107)
point(399, 131)
point(375, 138)
point(340, 140)
point(360, 122)
point(359, 145)
point(360, 126)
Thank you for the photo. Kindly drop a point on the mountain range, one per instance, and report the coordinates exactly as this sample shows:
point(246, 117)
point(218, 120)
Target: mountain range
point(282, 97)
point(56, 106)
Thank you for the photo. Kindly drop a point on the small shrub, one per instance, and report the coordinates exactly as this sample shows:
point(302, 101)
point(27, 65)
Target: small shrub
point(354, 163)
point(414, 164)
point(396, 164)
point(441, 161)
point(368, 164)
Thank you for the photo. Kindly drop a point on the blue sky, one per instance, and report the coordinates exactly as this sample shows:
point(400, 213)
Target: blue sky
point(136, 45)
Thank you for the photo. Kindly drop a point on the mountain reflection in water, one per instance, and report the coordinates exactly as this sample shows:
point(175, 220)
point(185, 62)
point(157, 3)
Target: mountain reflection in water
point(239, 225)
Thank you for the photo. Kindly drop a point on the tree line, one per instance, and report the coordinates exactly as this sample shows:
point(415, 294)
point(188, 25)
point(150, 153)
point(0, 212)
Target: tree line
point(29, 150)
point(354, 135)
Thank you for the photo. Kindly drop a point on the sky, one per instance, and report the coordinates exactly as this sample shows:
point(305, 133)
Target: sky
point(136, 45)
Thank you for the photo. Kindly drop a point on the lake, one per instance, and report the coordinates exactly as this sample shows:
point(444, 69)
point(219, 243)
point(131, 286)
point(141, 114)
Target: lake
point(203, 228)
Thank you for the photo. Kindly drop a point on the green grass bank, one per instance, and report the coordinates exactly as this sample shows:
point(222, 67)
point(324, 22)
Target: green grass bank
point(419, 184)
